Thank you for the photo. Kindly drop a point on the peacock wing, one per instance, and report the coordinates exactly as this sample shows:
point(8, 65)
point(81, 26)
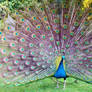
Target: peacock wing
point(78, 51)
point(27, 46)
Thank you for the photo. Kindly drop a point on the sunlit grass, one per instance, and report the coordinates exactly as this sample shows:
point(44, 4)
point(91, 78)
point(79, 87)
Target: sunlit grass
point(48, 85)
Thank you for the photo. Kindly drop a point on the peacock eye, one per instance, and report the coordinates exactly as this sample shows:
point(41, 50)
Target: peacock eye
point(21, 49)
point(86, 42)
point(56, 21)
point(50, 46)
point(58, 43)
point(56, 52)
point(17, 13)
point(65, 26)
point(3, 38)
point(29, 8)
point(22, 19)
point(76, 24)
point(23, 57)
point(5, 60)
point(0, 33)
point(32, 67)
point(41, 45)
point(31, 45)
point(43, 36)
point(1, 65)
point(16, 34)
point(12, 54)
point(76, 42)
point(15, 73)
point(64, 37)
point(34, 18)
point(22, 39)
point(38, 63)
point(35, 59)
point(33, 36)
point(45, 18)
point(8, 28)
point(53, 11)
point(86, 23)
point(82, 33)
point(62, 50)
point(28, 28)
point(16, 62)
point(42, 9)
point(32, 53)
point(66, 16)
point(38, 26)
point(72, 33)
point(3, 51)
point(57, 31)
point(41, 53)
point(67, 46)
point(27, 63)
point(51, 53)
point(51, 38)
point(12, 45)
point(10, 68)
point(48, 27)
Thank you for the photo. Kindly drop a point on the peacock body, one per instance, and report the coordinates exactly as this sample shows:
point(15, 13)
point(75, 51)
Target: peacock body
point(52, 39)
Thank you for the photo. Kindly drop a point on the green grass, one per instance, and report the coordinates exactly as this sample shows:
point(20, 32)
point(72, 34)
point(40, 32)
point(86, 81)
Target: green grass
point(48, 85)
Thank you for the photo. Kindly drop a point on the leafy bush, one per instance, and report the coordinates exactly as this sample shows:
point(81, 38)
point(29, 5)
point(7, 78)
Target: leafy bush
point(16, 4)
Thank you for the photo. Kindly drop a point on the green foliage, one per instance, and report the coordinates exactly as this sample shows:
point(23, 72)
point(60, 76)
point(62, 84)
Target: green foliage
point(1, 24)
point(2, 1)
point(17, 4)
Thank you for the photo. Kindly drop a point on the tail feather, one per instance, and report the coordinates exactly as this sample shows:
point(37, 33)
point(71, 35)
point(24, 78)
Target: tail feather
point(30, 43)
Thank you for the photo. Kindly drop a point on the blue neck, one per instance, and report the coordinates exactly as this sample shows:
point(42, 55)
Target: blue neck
point(60, 73)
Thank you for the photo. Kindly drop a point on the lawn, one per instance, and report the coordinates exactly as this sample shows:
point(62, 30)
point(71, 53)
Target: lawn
point(48, 85)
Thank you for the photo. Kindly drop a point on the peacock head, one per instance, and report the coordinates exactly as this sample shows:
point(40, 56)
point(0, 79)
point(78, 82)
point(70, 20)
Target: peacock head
point(63, 57)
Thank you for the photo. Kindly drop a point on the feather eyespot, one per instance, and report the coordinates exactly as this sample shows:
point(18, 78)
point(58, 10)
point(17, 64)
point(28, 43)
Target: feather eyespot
point(31, 45)
point(16, 62)
point(5, 60)
point(33, 36)
point(12, 54)
point(22, 40)
point(21, 49)
point(3, 38)
point(3, 51)
point(38, 26)
point(23, 56)
point(16, 34)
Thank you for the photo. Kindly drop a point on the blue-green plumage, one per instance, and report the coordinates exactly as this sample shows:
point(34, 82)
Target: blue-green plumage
point(60, 73)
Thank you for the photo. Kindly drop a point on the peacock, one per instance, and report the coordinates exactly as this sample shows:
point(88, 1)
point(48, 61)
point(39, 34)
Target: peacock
point(52, 39)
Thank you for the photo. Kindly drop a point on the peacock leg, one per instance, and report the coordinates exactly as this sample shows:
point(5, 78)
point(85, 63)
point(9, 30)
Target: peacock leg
point(57, 84)
point(64, 83)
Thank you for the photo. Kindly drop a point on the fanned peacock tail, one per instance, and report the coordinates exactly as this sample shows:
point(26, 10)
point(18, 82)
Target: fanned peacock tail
point(31, 42)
